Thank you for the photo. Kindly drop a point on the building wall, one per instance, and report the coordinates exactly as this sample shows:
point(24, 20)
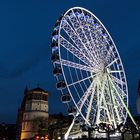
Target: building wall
point(35, 105)
point(28, 116)
point(30, 123)
point(36, 110)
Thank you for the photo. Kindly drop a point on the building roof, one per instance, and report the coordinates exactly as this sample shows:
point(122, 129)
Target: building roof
point(38, 89)
point(35, 90)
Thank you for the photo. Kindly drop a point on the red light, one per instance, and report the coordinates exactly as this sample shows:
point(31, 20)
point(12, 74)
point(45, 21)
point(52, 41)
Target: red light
point(37, 138)
point(46, 137)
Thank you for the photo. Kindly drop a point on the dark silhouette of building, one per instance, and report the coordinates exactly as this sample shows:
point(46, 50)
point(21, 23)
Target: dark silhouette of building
point(58, 125)
point(7, 131)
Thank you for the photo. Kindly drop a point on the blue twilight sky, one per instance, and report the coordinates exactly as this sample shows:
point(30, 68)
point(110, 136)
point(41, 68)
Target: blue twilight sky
point(25, 35)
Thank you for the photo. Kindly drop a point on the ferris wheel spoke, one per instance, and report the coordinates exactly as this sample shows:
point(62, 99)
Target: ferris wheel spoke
point(77, 66)
point(87, 104)
point(120, 90)
point(109, 58)
point(97, 121)
point(116, 80)
point(110, 52)
point(120, 108)
point(103, 100)
point(102, 104)
point(79, 31)
point(89, 77)
point(85, 96)
point(67, 45)
point(77, 40)
point(82, 33)
point(95, 53)
point(114, 101)
point(82, 101)
point(122, 101)
point(89, 30)
point(112, 62)
point(86, 31)
point(90, 103)
point(115, 71)
point(74, 36)
point(97, 40)
point(80, 55)
point(78, 28)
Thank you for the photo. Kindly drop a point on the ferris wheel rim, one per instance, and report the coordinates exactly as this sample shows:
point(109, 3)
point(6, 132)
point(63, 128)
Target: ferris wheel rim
point(111, 40)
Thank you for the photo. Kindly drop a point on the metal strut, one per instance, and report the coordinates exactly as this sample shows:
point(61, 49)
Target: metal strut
point(126, 108)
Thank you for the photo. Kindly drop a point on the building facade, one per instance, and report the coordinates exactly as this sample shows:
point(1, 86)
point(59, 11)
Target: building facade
point(33, 112)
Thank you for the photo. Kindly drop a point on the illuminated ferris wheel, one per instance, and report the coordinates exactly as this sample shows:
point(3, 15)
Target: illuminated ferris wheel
point(89, 70)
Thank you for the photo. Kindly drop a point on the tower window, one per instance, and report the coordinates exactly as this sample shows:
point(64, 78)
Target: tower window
point(24, 116)
point(23, 127)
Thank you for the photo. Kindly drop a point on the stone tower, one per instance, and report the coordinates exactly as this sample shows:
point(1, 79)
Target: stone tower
point(35, 109)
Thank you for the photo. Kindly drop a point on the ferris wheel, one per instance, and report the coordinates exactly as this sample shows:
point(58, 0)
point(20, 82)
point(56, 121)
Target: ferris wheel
point(89, 70)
